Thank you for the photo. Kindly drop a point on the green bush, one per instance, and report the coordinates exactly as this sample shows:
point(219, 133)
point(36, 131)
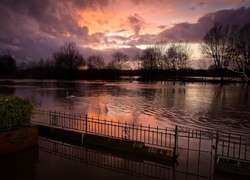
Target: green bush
point(15, 112)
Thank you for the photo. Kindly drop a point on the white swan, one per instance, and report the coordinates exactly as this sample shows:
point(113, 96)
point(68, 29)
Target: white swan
point(72, 97)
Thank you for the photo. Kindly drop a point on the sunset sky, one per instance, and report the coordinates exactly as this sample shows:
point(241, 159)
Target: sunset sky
point(34, 29)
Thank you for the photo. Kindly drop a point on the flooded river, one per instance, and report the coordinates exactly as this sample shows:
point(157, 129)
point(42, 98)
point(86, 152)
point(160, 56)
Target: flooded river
point(160, 104)
point(163, 104)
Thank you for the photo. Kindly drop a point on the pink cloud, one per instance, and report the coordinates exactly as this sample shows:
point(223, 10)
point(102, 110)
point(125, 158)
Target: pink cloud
point(41, 26)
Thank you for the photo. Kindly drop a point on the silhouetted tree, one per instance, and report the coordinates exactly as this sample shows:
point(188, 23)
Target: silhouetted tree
point(178, 56)
point(185, 53)
point(149, 58)
point(242, 63)
point(7, 63)
point(172, 56)
point(216, 44)
point(68, 59)
point(119, 60)
point(95, 62)
point(160, 54)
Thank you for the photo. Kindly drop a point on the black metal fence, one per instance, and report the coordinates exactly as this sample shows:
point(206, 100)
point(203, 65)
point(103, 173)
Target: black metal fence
point(155, 136)
point(221, 144)
point(234, 146)
point(228, 145)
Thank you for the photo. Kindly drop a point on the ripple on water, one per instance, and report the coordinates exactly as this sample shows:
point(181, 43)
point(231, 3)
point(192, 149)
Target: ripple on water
point(193, 104)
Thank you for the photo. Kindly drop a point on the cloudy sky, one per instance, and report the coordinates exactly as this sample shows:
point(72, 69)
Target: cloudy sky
point(34, 29)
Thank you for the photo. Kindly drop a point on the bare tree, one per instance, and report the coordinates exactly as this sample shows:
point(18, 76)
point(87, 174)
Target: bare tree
point(172, 56)
point(242, 63)
point(232, 52)
point(160, 51)
point(184, 54)
point(95, 62)
point(149, 58)
point(119, 60)
point(229, 46)
point(215, 45)
point(68, 57)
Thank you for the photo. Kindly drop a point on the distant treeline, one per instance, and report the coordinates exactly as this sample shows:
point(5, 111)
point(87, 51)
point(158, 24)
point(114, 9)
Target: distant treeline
point(47, 70)
point(182, 75)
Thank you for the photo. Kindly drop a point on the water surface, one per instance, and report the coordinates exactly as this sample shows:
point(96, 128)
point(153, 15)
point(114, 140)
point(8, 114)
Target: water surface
point(161, 104)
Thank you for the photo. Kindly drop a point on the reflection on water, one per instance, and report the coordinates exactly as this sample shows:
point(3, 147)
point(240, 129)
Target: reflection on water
point(159, 104)
point(53, 159)
point(20, 165)
point(123, 164)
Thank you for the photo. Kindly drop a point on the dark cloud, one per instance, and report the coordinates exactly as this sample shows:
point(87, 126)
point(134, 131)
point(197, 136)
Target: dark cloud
point(36, 47)
point(97, 39)
point(184, 32)
point(52, 17)
point(136, 23)
point(81, 32)
point(148, 39)
point(35, 29)
point(162, 27)
point(29, 7)
point(194, 32)
point(83, 4)
point(238, 16)
point(197, 5)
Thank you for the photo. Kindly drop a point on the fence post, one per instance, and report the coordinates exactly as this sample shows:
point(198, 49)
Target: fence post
point(176, 143)
point(86, 124)
point(216, 145)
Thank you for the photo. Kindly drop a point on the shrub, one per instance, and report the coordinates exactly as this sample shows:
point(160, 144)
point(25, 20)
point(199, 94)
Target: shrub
point(15, 112)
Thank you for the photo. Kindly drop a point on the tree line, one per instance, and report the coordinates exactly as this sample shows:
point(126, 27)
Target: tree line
point(227, 45)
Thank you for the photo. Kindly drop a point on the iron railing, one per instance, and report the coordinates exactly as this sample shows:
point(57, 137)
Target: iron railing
point(223, 144)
